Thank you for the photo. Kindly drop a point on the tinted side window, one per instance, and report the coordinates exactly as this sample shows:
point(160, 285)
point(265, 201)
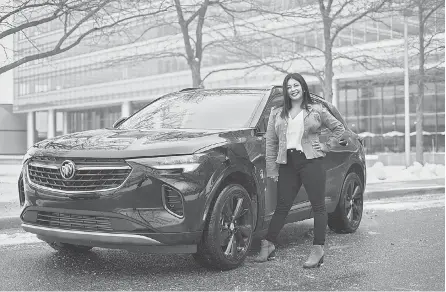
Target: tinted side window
point(275, 102)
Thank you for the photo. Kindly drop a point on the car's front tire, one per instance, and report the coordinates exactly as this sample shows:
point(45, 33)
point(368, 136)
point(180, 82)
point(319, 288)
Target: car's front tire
point(348, 213)
point(228, 233)
point(69, 248)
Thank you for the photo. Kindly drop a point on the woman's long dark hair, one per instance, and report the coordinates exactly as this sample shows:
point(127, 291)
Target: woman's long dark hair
point(286, 97)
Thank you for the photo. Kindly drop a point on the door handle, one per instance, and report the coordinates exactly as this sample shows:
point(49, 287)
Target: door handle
point(343, 142)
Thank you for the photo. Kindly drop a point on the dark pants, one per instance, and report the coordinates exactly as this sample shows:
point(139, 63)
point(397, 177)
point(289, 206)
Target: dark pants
point(311, 173)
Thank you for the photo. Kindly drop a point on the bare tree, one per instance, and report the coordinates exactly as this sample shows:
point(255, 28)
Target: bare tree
point(330, 16)
point(430, 18)
point(197, 23)
point(203, 26)
point(76, 20)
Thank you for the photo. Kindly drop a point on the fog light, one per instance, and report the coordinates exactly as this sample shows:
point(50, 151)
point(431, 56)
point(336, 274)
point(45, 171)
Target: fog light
point(173, 201)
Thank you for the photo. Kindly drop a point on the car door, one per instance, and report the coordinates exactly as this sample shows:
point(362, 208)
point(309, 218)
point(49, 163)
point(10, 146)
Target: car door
point(270, 197)
point(300, 209)
point(336, 161)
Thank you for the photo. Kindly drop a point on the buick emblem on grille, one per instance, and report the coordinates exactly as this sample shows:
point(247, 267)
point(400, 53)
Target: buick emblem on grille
point(67, 169)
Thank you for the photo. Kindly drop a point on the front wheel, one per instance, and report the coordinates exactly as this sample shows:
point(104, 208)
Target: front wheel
point(229, 230)
point(348, 212)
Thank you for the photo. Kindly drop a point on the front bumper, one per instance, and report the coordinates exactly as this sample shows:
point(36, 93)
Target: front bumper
point(108, 240)
point(132, 217)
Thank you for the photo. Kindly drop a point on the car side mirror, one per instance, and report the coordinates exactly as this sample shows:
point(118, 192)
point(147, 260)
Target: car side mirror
point(258, 132)
point(119, 122)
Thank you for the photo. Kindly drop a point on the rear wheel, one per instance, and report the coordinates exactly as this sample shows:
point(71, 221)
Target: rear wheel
point(348, 213)
point(69, 248)
point(229, 230)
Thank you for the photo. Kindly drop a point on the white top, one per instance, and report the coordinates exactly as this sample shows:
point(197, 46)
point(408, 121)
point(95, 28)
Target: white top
point(295, 132)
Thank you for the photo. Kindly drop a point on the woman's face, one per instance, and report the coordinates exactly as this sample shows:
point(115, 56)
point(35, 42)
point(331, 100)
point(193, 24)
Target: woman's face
point(294, 89)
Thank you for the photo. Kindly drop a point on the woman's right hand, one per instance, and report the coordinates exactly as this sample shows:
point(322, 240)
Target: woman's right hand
point(275, 178)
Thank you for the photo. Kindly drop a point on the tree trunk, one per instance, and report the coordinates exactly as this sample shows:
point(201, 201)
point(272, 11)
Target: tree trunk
point(328, 54)
point(420, 98)
point(195, 68)
point(328, 80)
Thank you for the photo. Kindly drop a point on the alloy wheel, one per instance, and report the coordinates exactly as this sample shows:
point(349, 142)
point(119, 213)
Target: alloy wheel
point(235, 227)
point(354, 202)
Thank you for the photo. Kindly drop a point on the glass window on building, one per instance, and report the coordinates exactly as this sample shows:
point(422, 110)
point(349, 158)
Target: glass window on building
point(344, 38)
point(358, 35)
point(41, 125)
point(91, 119)
point(399, 104)
point(393, 143)
point(371, 31)
point(310, 40)
point(388, 93)
point(363, 125)
point(384, 29)
point(440, 135)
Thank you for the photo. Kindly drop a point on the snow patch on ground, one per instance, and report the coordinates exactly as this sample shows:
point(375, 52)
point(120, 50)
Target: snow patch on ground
point(18, 238)
point(405, 203)
point(9, 171)
point(378, 172)
point(9, 174)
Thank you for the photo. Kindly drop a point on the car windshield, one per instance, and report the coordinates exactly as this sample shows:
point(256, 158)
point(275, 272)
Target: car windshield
point(217, 109)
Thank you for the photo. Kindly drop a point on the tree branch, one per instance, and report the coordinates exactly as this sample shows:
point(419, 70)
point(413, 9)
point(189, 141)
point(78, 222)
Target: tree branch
point(30, 24)
point(343, 26)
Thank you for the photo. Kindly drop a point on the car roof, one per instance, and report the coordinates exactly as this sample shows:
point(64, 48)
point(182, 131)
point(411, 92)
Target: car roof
point(262, 88)
point(259, 88)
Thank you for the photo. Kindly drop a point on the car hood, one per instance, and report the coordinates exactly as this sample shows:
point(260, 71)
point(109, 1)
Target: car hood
point(112, 143)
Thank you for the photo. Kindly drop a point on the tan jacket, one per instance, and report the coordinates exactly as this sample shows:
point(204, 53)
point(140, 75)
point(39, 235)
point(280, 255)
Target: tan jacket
point(315, 118)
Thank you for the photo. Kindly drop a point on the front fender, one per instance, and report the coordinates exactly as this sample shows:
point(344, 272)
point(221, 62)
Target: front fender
point(216, 183)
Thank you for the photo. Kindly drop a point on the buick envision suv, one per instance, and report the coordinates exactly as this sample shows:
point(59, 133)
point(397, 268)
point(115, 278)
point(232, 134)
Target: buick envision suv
point(185, 174)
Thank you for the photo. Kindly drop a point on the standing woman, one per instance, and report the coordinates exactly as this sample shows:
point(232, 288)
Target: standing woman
point(294, 156)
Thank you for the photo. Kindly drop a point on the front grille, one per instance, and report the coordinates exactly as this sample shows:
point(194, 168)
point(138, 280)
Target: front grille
point(90, 174)
point(74, 221)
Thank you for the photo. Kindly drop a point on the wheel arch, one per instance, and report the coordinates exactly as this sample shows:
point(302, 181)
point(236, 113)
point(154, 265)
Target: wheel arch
point(232, 176)
point(359, 170)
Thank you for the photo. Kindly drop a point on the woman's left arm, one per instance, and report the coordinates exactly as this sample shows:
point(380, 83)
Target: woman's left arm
point(336, 127)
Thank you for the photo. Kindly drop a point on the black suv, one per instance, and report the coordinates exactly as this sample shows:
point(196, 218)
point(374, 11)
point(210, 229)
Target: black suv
point(185, 174)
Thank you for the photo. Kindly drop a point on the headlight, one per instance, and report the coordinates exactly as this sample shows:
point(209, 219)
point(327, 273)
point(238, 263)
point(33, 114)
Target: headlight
point(25, 158)
point(185, 163)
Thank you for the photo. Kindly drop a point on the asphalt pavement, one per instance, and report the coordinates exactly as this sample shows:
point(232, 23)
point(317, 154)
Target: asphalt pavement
point(398, 246)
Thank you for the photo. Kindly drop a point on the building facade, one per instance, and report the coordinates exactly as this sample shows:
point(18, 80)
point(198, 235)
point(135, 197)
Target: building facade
point(91, 86)
point(12, 131)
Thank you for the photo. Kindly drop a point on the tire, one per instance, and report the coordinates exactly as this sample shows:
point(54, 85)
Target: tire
point(223, 226)
point(346, 219)
point(69, 248)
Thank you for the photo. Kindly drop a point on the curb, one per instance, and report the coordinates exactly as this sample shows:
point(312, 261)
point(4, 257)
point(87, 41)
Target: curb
point(378, 195)
point(15, 222)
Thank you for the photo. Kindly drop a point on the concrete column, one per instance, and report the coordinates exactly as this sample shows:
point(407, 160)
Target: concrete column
point(65, 123)
point(335, 100)
point(31, 129)
point(126, 109)
point(51, 124)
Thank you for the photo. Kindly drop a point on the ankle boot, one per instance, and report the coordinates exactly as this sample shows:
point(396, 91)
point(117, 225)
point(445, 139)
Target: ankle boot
point(267, 251)
point(316, 257)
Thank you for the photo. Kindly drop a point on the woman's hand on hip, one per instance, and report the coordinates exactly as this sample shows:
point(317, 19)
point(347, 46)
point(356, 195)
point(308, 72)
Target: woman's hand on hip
point(320, 146)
